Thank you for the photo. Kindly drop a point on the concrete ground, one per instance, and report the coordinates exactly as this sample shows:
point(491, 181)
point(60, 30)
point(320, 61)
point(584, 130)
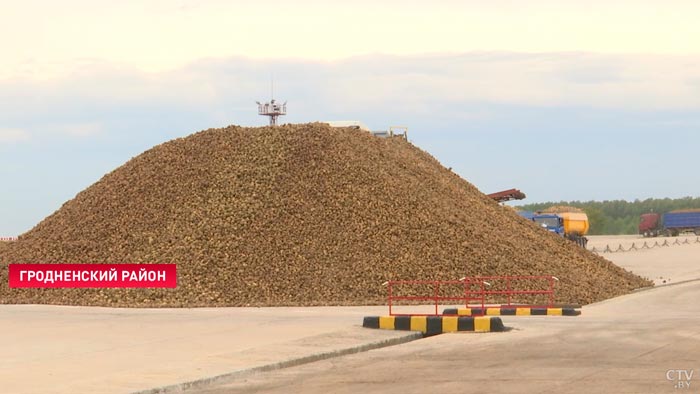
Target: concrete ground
point(663, 265)
point(63, 349)
point(599, 242)
point(622, 345)
point(625, 345)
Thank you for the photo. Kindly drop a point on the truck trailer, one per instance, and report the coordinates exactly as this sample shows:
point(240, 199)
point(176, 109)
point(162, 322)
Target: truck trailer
point(669, 224)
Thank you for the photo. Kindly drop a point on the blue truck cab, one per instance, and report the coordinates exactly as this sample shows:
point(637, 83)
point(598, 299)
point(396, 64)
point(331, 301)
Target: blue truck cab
point(553, 223)
point(549, 221)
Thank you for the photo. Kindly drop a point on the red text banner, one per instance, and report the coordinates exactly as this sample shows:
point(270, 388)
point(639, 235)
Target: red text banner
point(93, 276)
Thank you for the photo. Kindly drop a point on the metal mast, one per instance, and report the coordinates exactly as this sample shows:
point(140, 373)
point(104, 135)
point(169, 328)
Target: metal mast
point(272, 109)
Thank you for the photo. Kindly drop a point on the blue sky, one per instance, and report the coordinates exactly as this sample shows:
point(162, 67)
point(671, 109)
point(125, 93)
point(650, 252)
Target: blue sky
point(559, 119)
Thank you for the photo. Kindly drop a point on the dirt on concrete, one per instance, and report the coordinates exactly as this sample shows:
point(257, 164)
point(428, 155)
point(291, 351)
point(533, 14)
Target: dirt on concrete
point(295, 215)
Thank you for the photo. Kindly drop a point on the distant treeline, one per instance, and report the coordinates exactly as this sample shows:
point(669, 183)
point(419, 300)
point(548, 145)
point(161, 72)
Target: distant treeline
point(619, 216)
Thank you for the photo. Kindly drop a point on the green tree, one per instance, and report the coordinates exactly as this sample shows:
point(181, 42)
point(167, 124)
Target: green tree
point(598, 221)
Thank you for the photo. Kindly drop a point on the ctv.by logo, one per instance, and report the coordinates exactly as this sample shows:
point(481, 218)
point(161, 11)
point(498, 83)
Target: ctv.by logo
point(681, 377)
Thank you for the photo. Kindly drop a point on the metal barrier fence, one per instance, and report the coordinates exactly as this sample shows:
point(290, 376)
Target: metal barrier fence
point(645, 245)
point(472, 292)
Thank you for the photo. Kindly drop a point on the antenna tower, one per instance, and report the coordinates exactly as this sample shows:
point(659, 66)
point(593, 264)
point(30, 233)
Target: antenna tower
point(272, 109)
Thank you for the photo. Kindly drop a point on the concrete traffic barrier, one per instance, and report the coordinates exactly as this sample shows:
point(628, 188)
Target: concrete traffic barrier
point(431, 325)
point(508, 311)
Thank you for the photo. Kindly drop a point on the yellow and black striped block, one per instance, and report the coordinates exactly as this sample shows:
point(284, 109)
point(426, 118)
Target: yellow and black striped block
point(431, 325)
point(519, 311)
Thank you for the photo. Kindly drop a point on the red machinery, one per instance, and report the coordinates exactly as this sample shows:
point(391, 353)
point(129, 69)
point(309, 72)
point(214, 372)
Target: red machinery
point(507, 195)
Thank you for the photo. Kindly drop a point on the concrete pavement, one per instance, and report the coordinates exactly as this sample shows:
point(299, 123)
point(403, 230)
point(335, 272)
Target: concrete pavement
point(625, 345)
point(63, 349)
point(662, 265)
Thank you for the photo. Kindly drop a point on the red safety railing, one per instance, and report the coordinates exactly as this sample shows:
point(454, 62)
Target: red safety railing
point(510, 291)
point(472, 292)
point(437, 299)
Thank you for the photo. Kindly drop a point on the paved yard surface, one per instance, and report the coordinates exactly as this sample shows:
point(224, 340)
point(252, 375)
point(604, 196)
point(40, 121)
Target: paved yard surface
point(58, 349)
point(622, 345)
point(626, 345)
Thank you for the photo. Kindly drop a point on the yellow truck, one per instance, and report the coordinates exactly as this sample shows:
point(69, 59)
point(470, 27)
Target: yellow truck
point(570, 225)
point(575, 223)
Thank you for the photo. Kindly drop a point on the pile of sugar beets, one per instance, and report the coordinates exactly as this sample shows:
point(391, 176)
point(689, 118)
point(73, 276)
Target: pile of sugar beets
point(296, 215)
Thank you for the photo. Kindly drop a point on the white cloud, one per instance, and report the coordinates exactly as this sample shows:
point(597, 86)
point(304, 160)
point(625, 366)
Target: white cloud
point(100, 96)
point(73, 130)
point(165, 34)
point(80, 129)
point(13, 135)
point(636, 82)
